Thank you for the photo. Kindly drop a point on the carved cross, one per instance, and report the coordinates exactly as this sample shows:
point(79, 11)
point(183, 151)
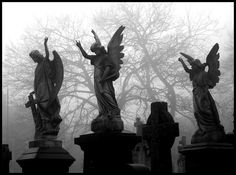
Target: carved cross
point(160, 132)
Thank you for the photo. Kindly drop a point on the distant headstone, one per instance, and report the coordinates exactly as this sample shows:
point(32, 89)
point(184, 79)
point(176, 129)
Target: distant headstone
point(160, 132)
point(181, 158)
point(139, 126)
point(141, 152)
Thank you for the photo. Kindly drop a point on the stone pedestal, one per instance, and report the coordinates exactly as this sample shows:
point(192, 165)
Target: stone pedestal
point(45, 156)
point(106, 124)
point(6, 157)
point(209, 158)
point(109, 153)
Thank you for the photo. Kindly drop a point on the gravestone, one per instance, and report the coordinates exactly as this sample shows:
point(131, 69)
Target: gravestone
point(139, 126)
point(160, 132)
point(141, 152)
point(6, 157)
point(45, 156)
point(181, 158)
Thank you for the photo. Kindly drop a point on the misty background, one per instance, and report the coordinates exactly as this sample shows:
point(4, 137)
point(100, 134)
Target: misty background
point(155, 33)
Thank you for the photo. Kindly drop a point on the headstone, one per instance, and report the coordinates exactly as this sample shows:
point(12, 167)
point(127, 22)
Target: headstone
point(181, 158)
point(139, 126)
point(45, 156)
point(160, 132)
point(6, 157)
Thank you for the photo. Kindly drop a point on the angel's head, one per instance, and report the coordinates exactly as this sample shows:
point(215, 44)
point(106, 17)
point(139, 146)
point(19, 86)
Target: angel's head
point(36, 56)
point(97, 48)
point(196, 64)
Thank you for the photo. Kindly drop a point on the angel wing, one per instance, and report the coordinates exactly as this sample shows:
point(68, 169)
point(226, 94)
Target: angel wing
point(57, 74)
point(212, 60)
point(114, 51)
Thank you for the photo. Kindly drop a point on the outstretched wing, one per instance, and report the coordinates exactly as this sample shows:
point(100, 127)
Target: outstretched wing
point(114, 51)
point(57, 74)
point(212, 60)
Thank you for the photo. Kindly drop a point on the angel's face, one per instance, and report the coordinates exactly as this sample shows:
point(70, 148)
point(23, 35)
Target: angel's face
point(97, 51)
point(196, 66)
point(36, 56)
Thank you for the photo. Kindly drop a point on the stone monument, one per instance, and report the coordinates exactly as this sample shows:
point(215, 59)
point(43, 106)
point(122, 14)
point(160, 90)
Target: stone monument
point(160, 132)
point(45, 153)
point(108, 150)
point(205, 111)
point(106, 70)
point(141, 152)
point(209, 151)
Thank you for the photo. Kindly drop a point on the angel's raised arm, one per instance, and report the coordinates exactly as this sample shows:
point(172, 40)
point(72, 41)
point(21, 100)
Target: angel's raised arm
point(46, 48)
point(184, 65)
point(90, 57)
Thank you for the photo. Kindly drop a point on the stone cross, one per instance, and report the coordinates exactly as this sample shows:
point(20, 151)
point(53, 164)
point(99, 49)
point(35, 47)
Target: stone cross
point(160, 132)
point(140, 154)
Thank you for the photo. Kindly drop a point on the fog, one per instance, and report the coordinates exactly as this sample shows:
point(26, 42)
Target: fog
point(155, 33)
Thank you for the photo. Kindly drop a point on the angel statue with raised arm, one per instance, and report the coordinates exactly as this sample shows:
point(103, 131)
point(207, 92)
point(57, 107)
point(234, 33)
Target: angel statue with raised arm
point(205, 111)
point(106, 70)
point(47, 83)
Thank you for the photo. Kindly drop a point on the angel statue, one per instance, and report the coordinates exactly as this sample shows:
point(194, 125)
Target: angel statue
point(205, 111)
point(106, 70)
point(47, 83)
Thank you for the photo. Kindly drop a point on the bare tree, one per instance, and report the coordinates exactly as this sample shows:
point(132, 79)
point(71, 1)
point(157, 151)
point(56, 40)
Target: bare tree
point(153, 40)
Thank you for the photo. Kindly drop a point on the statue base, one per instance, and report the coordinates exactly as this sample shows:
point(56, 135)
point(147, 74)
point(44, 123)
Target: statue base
point(105, 124)
point(45, 156)
point(110, 153)
point(212, 158)
point(217, 135)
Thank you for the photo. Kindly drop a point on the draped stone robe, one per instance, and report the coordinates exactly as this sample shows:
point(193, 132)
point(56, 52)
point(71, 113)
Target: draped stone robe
point(105, 92)
point(205, 110)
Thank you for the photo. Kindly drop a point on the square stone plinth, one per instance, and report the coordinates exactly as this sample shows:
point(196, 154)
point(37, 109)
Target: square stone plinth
point(209, 158)
point(45, 156)
point(107, 152)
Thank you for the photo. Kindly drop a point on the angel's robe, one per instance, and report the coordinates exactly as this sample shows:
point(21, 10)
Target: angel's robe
point(205, 110)
point(105, 92)
point(43, 85)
